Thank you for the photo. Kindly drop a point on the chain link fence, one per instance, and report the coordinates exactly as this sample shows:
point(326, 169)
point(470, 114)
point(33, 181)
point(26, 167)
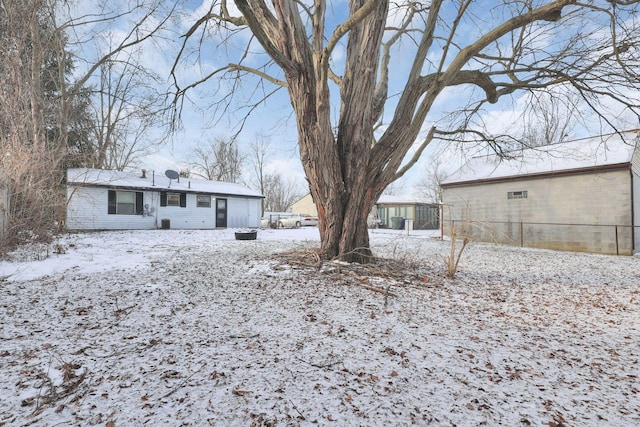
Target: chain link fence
point(597, 238)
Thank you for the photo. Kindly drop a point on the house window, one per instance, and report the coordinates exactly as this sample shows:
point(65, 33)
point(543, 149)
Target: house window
point(517, 195)
point(173, 199)
point(203, 201)
point(125, 202)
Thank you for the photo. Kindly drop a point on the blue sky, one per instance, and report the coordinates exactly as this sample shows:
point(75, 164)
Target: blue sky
point(274, 120)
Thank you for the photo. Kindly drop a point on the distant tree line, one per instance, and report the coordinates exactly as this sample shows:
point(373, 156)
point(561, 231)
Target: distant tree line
point(220, 159)
point(52, 117)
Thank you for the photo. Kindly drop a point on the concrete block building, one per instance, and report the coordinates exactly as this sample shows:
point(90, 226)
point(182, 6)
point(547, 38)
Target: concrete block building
point(582, 195)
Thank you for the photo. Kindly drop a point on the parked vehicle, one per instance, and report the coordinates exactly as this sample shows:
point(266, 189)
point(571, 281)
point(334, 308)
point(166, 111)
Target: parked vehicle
point(276, 220)
point(287, 220)
point(297, 220)
point(272, 219)
point(308, 220)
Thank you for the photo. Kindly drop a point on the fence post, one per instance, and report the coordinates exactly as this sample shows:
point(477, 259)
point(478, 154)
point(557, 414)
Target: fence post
point(617, 249)
point(441, 220)
point(521, 235)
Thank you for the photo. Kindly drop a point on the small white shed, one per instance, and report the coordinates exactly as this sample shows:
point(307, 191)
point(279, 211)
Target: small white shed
point(113, 200)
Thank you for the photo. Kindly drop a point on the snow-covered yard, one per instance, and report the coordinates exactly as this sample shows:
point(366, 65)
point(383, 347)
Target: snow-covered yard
point(170, 328)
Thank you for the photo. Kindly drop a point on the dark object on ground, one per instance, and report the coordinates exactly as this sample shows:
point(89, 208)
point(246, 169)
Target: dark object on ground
point(246, 235)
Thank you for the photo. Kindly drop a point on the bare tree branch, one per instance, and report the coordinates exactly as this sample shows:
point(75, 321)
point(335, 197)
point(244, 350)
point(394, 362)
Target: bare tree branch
point(354, 140)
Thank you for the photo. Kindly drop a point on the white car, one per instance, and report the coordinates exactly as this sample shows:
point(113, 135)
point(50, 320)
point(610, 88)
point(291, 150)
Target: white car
point(297, 221)
point(308, 220)
point(272, 219)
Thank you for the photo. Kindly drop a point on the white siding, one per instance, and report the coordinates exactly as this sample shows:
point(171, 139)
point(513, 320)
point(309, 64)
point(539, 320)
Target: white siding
point(188, 218)
point(87, 210)
point(243, 212)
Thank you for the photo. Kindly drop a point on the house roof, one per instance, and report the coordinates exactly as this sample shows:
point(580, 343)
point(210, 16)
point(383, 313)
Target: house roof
point(606, 151)
point(398, 200)
point(385, 199)
point(155, 182)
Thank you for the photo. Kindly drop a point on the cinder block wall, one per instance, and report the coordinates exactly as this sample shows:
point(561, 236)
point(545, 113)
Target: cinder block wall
point(576, 213)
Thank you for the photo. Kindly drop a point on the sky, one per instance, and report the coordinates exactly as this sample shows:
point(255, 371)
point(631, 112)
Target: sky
point(274, 120)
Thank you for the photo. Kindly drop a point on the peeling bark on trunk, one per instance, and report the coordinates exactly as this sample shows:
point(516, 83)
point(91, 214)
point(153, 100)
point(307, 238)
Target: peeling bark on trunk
point(348, 170)
point(337, 165)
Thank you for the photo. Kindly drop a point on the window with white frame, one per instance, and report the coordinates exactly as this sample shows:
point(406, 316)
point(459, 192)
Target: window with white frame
point(125, 202)
point(173, 199)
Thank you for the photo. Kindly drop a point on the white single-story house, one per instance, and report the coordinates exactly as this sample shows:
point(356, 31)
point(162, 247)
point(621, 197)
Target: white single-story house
point(582, 195)
point(113, 200)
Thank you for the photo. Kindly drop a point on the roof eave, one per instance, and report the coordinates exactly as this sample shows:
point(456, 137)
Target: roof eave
point(164, 189)
point(540, 175)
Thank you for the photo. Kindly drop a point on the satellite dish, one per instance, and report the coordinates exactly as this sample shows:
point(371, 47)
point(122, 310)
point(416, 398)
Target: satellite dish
point(171, 174)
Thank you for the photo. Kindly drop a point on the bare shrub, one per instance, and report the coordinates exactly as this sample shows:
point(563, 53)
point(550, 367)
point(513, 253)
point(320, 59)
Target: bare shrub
point(451, 262)
point(33, 120)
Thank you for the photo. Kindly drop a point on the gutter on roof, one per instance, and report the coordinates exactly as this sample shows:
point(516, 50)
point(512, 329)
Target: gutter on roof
point(540, 175)
point(167, 190)
point(404, 203)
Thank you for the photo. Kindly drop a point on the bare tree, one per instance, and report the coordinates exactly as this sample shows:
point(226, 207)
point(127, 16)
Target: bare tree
point(126, 102)
point(36, 117)
point(549, 119)
point(279, 193)
point(44, 99)
point(217, 160)
point(127, 109)
point(258, 157)
point(382, 106)
point(393, 189)
point(431, 179)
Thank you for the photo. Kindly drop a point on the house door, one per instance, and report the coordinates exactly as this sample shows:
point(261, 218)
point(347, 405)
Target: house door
point(221, 213)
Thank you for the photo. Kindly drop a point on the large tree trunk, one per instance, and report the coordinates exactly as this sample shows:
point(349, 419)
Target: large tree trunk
point(337, 165)
point(348, 170)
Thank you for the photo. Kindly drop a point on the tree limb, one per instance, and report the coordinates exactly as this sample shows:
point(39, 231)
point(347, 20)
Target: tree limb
point(265, 27)
point(345, 27)
point(237, 67)
point(416, 156)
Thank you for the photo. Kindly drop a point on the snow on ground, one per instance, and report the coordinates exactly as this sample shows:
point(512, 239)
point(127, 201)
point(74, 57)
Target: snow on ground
point(195, 328)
